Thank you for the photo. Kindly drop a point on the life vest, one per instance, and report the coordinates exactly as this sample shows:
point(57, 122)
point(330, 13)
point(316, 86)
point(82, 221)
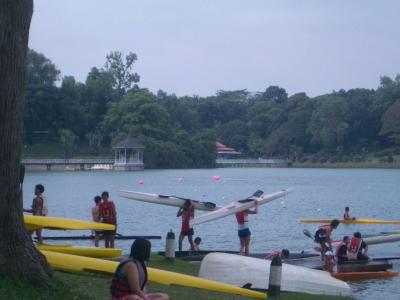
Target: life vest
point(120, 286)
point(45, 209)
point(354, 246)
point(242, 219)
point(321, 232)
point(107, 212)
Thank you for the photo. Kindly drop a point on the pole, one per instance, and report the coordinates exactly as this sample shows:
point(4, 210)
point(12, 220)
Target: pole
point(170, 245)
point(275, 277)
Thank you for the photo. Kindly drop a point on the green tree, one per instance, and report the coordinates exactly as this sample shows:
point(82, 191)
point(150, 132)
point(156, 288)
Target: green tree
point(68, 141)
point(391, 123)
point(121, 71)
point(275, 94)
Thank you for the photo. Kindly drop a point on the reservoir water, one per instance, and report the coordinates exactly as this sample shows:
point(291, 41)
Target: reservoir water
point(319, 193)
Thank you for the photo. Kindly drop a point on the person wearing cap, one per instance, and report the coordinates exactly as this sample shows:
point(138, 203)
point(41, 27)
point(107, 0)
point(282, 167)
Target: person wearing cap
point(130, 277)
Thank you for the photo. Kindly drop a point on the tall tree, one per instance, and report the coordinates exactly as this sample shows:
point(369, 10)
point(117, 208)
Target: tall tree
point(122, 71)
point(18, 255)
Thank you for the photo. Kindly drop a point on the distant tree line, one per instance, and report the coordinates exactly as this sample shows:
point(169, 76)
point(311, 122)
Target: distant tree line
point(179, 132)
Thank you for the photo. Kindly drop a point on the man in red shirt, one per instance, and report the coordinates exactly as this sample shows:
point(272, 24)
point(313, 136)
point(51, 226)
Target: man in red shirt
point(108, 215)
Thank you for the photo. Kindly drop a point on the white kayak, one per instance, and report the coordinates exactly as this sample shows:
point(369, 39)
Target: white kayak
point(258, 198)
point(382, 239)
point(241, 270)
point(166, 200)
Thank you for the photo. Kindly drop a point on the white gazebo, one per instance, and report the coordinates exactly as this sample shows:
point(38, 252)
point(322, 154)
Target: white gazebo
point(128, 155)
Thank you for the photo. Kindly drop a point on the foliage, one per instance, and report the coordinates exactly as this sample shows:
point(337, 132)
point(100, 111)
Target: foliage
point(179, 132)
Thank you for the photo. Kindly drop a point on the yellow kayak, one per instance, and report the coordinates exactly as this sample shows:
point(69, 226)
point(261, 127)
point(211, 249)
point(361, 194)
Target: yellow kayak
point(36, 222)
point(83, 251)
point(356, 221)
point(79, 264)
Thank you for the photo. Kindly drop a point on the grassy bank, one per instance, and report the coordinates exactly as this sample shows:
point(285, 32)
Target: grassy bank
point(88, 286)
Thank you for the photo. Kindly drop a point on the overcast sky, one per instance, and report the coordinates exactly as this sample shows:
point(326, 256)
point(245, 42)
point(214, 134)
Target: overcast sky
point(198, 47)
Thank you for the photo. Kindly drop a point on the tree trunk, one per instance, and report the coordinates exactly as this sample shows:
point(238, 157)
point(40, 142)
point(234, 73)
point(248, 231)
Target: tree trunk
point(18, 256)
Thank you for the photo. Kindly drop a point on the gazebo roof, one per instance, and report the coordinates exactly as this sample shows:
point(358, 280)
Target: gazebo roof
point(128, 143)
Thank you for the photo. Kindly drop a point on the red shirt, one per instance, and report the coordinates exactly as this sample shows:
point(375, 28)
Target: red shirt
point(185, 220)
point(107, 212)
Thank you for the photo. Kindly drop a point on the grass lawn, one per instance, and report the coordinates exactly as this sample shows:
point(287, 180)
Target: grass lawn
point(95, 287)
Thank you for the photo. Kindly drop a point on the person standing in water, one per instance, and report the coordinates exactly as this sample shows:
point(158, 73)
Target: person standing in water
point(108, 215)
point(96, 218)
point(130, 277)
point(39, 208)
point(346, 215)
point(244, 230)
point(187, 213)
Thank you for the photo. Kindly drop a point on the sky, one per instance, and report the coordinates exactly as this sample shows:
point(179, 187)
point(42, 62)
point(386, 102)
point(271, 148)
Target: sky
point(198, 47)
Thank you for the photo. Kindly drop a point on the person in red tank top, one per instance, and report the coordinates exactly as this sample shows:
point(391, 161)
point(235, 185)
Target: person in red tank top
point(187, 213)
point(108, 215)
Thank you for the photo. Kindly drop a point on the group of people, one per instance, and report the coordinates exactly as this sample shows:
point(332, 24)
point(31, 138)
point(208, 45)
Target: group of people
point(104, 211)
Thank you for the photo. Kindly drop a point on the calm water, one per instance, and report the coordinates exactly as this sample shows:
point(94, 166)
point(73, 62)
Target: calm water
point(319, 193)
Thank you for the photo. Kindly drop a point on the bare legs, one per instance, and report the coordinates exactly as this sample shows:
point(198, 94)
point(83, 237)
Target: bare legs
point(244, 245)
point(190, 239)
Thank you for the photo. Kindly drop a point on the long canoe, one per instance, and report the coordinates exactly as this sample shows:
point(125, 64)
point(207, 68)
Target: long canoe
point(356, 276)
point(166, 200)
point(356, 221)
point(240, 270)
point(85, 264)
point(96, 252)
point(258, 198)
point(36, 222)
point(91, 237)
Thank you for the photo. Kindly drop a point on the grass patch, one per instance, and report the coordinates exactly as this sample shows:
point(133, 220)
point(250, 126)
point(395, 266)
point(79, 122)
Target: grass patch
point(86, 286)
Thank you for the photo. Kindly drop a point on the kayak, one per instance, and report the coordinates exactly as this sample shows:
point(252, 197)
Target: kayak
point(241, 270)
point(356, 221)
point(355, 276)
point(258, 198)
point(36, 222)
point(83, 251)
point(199, 255)
point(381, 239)
point(166, 200)
point(76, 263)
point(91, 237)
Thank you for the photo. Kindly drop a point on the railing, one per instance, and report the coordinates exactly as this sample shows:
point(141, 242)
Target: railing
point(71, 161)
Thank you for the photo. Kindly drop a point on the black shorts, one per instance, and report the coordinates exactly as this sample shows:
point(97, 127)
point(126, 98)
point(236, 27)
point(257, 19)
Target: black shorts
point(320, 240)
point(187, 232)
point(108, 232)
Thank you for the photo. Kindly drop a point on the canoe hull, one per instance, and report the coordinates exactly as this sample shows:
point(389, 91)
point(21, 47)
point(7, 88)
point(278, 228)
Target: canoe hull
point(239, 270)
point(83, 251)
point(36, 222)
point(357, 276)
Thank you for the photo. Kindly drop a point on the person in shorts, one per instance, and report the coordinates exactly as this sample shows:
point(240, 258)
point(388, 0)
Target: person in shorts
point(108, 215)
point(187, 213)
point(244, 230)
point(96, 218)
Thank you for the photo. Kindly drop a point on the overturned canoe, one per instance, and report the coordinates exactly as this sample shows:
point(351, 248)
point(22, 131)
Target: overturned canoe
point(241, 271)
point(36, 222)
point(356, 276)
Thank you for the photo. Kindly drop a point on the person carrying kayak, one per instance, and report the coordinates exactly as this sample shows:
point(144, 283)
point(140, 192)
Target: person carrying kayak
point(323, 236)
point(187, 213)
point(244, 230)
point(341, 250)
point(346, 215)
point(358, 249)
point(130, 277)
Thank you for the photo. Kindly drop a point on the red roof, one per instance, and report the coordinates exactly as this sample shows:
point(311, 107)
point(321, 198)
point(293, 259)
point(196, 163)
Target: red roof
point(221, 148)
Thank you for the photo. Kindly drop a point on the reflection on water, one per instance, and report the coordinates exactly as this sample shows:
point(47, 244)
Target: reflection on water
point(319, 193)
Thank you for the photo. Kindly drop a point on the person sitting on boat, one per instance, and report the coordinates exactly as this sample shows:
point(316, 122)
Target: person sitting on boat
point(341, 250)
point(96, 218)
point(197, 242)
point(187, 213)
point(346, 215)
point(329, 262)
point(283, 254)
point(244, 230)
point(323, 236)
point(130, 277)
point(358, 249)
